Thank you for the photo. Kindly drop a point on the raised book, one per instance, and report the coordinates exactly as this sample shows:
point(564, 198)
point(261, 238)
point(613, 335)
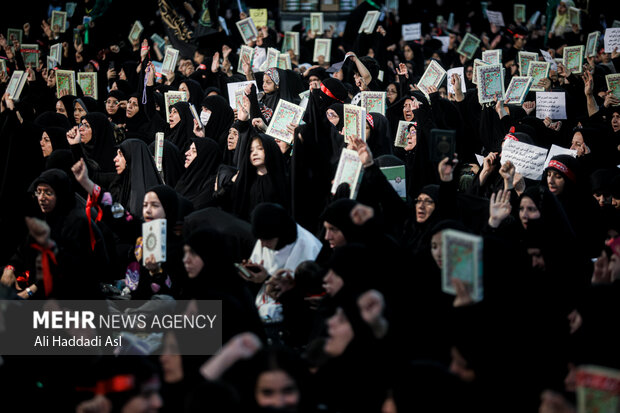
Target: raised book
point(291, 42)
point(354, 122)
point(136, 31)
point(159, 151)
point(349, 171)
point(468, 46)
point(65, 83)
point(517, 90)
point(16, 84)
point(573, 58)
point(169, 64)
point(88, 84)
point(396, 177)
point(598, 389)
point(370, 21)
point(285, 114)
point(322, 47)
point(245, 51)
point(374, 102)
point(461, 256)
point(172, 97)
point(247, 29)
point(433, 76)
point(316, 23)
point(592, 43)
point(613, 84)
point(490, 83)
point(524, 61)
point(154, 240)
point(492, 57)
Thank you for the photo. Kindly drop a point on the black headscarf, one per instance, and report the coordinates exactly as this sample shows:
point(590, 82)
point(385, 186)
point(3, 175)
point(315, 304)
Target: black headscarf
point(140, 173)
point(58, 138)
point(67, 102)
point(170, 202)
point(47, 119)
point(120, 116)
point(195, 92)
point(338, 213)
point(270, 221)
point(183, 132)
point(100, 148)
point(60, 183)
point(172, 162)
point(250, 189)
point(380, 141)
point(198, 181)
point(222, 117)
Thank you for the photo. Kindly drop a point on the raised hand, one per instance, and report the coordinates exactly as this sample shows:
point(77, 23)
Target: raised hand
point(363, 151)
point(529, 107)
point(446, 168)
point(499, 208)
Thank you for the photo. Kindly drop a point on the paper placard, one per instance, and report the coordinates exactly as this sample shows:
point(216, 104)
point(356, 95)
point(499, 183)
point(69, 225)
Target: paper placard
point(558, 150)
point(412, 31)
point(259, 16)
point(496, 18)
point(529, 160)
point(480, 159)
point(445, 43)
point(612, 39)
point(233, 87)
point(551, 104)
point(461, 72)
point(548, 58)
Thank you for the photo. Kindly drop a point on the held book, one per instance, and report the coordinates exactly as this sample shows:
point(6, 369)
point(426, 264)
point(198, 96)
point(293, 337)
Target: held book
point(285, 114)
point(349, 171)
point(461, 256)
point(154, 240)
point(354, 122)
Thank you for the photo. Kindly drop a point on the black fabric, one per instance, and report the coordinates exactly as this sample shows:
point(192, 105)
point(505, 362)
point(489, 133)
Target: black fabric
point(380, 140)
point(52, 119)
point(58, 137)
point(273, 221)
point(183, 132)
point(197, 183)
point(67, 102)
point(195, 92)
point(100, 148)
point(222, 117)
point(172, 163)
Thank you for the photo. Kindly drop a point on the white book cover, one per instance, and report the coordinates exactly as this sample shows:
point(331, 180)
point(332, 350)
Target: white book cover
point(349, 170)
point(154, 240)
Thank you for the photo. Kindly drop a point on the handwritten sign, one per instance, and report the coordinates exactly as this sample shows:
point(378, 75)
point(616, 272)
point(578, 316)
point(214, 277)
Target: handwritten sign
point(548, 58)
point(551, 104)
point(259, 16)
point(612, 39)
point(445, 42)
point(458, 71)
point(558, 150)
point(412, 31)
point(529, 160)
point(496, 18)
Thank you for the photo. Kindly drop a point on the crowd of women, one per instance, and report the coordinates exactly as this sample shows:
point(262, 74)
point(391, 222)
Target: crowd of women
point(330, 303)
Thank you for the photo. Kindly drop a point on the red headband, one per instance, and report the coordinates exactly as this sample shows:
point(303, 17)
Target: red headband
point(116, 384)
point(562, 168)
point(328, 93)
point(510, 136)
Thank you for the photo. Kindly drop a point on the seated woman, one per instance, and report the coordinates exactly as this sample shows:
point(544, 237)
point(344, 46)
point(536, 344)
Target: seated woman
point(262, 176)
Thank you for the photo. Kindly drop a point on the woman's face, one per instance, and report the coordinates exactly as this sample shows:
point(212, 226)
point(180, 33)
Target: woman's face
point(392, 93)
point(46, 145)
point(555, 181)
point(120, 163)
point(171, 361)
point(133, 107)
point(190, 155)
point(257, 153)
point(233, 138)
point(192, 262)
point(408, 110)
point(85, 131)
point(122, 75)
point(78, 112)
point(368, 130)
point(562, 8)
point(424, 207)
point(332, 283)
point(174, 118)
point(412, 139)
point(579, 145)
point(60, 108)
point(469, 73)
point(528, 211)
point(268, 85)
point(152, 207)
point(183, 88)
point(277, 389)
point(111, 105)
point(615, 121)
point(408, 52)
point(436, 245)
point(333, 117)
point(340, 334)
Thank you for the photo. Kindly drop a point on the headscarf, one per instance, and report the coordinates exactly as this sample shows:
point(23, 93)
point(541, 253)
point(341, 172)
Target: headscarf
point(58, 137)
point(67, 102)
point(120, 116)
point(380, 141)
point(270, 221)
point(172, 163)
point(338, 214)
point(140, 173)
point(222, 117)
point(169, 201)
point(47, 119)
point(183, 132)
point(199, 177)
point(195, 92)
point(100, 148)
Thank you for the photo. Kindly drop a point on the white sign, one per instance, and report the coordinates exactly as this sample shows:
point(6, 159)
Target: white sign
point(547, 56)
point(233, 87)
point(412, 31)
point(529, 160)
point(551, 104)
point(496, 18)
point(459, 71)
point(558, 150)
point(445, 43)
point(612, 39)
